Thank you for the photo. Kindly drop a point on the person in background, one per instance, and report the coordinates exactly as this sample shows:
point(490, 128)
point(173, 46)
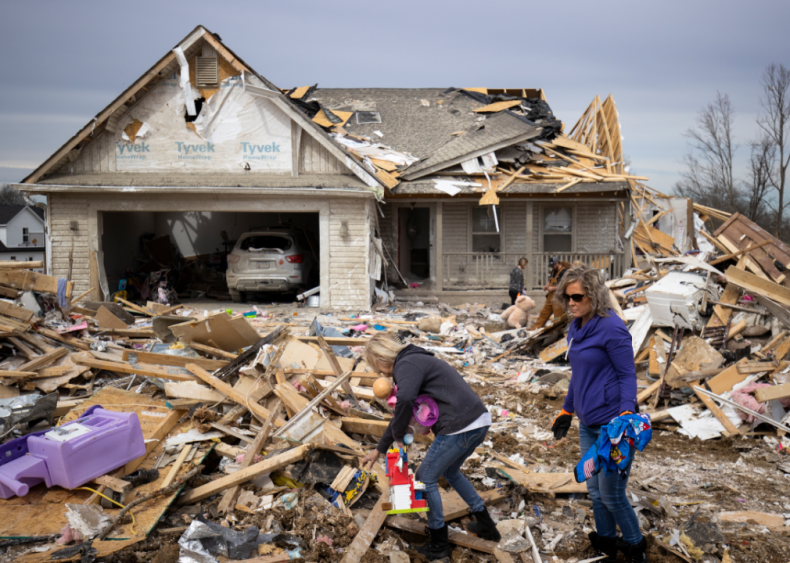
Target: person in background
point(603, 387)
point(517, 280)
point(558, 269)
point(462, 426)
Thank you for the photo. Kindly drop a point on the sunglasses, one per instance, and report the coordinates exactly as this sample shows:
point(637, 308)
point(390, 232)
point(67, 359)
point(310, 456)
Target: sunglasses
point(576, 297)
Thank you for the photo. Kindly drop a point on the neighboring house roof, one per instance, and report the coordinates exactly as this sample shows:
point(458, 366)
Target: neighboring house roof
point(8, 212)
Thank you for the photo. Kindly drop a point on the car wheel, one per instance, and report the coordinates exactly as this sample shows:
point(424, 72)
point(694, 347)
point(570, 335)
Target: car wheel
point(238, 296)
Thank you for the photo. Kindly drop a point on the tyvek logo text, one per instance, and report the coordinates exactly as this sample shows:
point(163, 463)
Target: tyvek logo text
point(132, 151)
point(194, 152)
point(251, 151)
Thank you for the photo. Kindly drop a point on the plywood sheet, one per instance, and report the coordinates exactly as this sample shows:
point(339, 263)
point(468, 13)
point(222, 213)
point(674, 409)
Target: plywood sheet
point(219, 331)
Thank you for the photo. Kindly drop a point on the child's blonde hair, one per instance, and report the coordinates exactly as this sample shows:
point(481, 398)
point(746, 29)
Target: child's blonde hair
point(382, 349)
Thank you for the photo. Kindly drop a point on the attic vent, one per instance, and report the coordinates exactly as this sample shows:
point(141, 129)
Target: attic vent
point(207, 71)
point(368, 117)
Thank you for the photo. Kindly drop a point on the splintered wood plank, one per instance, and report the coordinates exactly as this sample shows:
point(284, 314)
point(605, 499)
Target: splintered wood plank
point(457, 538)
point(213, 351)
point(373, 428)
point(171, 360)
point(193, 390)
point(259, 411)
point(139, 369)
point(455, 507)
point(543, 482)
point(43, 360)
point(15, 312)
point(722, 314)
point(765, 394)
point(369, 529)
point(727, 379)
point(243, 475)
point(27, 280)
point(717, 412)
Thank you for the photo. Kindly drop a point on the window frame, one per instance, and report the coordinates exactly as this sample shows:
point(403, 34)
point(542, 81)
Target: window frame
point(472, 233)
point(25, 235)
point(542, 225)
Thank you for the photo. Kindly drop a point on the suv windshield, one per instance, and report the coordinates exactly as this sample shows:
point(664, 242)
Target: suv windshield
point(266, 242)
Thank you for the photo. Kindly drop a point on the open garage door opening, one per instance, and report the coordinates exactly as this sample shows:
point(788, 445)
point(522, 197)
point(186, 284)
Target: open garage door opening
point(172, 257)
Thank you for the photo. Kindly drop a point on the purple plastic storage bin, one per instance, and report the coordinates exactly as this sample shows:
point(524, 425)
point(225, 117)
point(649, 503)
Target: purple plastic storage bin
point(71, 455)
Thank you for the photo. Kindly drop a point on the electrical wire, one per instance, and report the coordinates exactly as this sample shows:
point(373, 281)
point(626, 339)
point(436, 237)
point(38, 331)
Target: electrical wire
point(112, 501)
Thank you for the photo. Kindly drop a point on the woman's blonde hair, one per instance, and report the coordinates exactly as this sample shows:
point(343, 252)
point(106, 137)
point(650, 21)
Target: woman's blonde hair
point(593, 286)
point(382, 349)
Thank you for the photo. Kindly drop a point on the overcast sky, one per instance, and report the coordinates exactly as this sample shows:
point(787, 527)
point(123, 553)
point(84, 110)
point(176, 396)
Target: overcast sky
point(662, 61)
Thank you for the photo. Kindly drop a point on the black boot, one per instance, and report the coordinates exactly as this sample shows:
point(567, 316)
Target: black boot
point(604, 546)
point(438, 547)
point(634, 553)
point(484, 527)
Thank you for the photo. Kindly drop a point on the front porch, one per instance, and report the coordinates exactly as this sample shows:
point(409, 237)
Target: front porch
point(486, 270)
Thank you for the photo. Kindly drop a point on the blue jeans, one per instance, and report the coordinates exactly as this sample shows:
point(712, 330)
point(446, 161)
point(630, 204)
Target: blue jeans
point(610, 503)
point(444, 459)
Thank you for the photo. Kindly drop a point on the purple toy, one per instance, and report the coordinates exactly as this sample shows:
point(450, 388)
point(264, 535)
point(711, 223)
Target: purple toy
point(72, 454)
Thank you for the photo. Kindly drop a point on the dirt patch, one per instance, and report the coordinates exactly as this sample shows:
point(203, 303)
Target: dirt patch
point(168, 554)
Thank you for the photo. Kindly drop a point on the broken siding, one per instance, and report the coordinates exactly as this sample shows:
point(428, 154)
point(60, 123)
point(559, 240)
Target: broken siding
point(349, 236)
point(63, 210)
point(315, 159)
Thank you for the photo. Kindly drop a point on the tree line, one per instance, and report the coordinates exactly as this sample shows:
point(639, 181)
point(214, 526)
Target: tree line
point(708, 176)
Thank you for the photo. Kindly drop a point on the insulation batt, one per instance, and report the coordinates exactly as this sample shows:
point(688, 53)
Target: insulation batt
point(745, 398)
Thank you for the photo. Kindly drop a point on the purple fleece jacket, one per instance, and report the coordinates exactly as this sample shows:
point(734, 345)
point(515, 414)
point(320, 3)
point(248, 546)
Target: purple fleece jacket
point(603, 381)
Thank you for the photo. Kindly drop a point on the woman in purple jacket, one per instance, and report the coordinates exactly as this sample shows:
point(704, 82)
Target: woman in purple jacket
point(603, 386)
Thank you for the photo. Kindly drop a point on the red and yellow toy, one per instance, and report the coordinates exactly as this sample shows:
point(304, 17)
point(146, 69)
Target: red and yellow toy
point(405, 492)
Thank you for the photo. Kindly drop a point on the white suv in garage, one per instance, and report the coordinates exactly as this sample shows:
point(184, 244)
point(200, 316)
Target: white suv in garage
point(274, 260)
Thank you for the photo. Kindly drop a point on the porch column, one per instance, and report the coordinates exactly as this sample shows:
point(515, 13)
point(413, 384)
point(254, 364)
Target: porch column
point(530, 250)
point(438, 248)
point(627, 243)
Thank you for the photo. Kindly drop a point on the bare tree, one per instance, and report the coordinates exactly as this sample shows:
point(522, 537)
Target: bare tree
point(10, 196)
point(708, 178)
point(754, 191)
point(775, 123)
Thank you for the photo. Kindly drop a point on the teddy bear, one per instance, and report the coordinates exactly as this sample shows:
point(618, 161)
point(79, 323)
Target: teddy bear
point(516, 316)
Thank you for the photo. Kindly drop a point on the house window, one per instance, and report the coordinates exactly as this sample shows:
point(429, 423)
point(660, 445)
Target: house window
point(13, 258)
point(485, 236)
point(557, 229)
point(25, 235)
point(29, 258)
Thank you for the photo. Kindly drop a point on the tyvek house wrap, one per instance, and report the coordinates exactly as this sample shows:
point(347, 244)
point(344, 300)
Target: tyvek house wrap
point(232, 129)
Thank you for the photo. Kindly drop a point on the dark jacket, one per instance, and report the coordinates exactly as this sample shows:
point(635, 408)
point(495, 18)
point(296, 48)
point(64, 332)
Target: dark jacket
point(603, 383)
point(417, 372)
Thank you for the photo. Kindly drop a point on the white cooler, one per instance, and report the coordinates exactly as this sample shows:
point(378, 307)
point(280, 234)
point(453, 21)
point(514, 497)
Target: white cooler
point(676, 298)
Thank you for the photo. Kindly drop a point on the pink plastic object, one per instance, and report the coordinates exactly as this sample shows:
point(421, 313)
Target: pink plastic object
point(73, 454)
point(360, 328)
point(426, 411)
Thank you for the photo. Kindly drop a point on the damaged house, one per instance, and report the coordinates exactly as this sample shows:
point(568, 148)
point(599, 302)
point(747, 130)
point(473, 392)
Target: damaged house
point(437, 190)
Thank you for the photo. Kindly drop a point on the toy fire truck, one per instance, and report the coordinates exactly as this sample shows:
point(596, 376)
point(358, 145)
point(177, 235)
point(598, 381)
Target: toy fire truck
point(405, 492)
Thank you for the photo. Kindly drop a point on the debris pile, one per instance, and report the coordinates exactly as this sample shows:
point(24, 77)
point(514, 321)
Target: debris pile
point(254, 423)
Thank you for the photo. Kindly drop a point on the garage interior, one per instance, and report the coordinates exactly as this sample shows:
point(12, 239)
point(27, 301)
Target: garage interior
point(185, 253)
